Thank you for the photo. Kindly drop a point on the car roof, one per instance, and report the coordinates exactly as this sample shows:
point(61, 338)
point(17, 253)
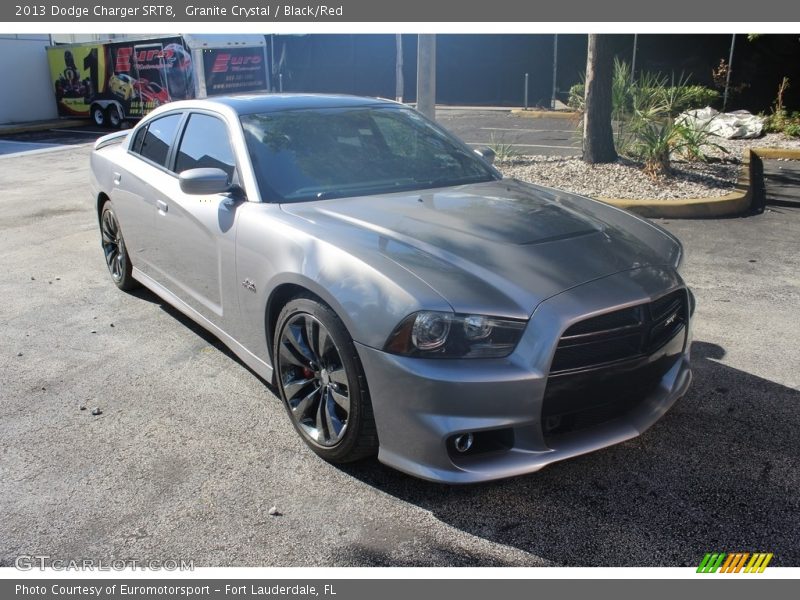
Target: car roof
point(245, 104)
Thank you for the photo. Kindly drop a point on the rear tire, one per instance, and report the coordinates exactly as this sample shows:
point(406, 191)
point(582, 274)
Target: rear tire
point(99, 116)
point(116, 254)
point(113, 118)
point(322, 383)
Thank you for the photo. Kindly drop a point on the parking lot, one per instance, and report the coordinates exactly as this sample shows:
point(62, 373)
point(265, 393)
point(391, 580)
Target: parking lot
point(524, 135)
point(521, 134)
point(191, 450)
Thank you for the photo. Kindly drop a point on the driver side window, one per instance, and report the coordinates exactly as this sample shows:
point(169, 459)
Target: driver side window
point(204, 144)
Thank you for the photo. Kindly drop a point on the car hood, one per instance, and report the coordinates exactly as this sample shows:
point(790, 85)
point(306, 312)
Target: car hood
point(500, 247)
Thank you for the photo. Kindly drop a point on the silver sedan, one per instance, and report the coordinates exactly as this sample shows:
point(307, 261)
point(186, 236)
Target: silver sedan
point(405, 299)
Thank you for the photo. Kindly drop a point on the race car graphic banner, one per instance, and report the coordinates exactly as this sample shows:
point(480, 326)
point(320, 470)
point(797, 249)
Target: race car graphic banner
point(138, 75)
point(146, 74)
point(77, 74)
point(231, 70)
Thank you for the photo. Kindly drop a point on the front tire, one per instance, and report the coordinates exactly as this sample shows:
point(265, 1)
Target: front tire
point(114, 250)
point(322, 383)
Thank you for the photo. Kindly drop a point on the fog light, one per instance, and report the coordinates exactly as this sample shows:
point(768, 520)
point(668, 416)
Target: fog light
point(463, 442)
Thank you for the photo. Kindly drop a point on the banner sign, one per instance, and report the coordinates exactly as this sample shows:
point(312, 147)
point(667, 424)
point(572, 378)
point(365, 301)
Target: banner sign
point(232, 70)
point(134, 77)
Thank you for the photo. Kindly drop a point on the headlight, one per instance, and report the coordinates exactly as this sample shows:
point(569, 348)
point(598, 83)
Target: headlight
point(434, 334)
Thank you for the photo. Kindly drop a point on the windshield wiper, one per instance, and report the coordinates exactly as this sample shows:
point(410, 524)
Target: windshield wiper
point(399, 185)
point(443, 182)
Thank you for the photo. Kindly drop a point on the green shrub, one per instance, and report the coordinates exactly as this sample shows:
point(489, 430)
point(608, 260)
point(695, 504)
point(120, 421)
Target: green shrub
point(694, 96)
point(503, 151)
point(576, 94)
point(793, 129)
point(697, 96)
point(776, 122)
point(655, 137)
point(781, 121)
point(645, 110)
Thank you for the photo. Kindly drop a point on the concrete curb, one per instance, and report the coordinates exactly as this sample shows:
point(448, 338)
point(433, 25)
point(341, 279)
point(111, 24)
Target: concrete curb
point(787, 153)
point(747, 192)
point(13, 128)
point(545, 114)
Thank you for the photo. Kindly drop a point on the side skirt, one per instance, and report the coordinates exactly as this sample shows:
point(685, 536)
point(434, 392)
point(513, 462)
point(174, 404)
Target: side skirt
point(251, 360)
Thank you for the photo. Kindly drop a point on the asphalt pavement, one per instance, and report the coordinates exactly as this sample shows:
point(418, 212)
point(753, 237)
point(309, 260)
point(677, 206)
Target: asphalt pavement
point(190, 450)
point(521, 134)
point(47, 140)
point(783, 179)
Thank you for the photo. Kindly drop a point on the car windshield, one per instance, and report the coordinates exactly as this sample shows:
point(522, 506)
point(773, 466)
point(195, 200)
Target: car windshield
point(314, 154)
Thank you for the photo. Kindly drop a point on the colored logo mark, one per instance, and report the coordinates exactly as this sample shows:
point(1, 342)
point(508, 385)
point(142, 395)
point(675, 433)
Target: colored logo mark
point(736, 562)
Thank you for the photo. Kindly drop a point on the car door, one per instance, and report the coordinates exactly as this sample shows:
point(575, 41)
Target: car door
point(137, 184)
point(195, 233)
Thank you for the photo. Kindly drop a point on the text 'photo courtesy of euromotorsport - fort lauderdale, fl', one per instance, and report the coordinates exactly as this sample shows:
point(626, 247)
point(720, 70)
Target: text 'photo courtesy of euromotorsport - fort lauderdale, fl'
point(66, 590)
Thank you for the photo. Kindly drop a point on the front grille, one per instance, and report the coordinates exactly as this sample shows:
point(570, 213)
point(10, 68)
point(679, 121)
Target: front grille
point(621, 335)
point(605, 366)
point(589, 398)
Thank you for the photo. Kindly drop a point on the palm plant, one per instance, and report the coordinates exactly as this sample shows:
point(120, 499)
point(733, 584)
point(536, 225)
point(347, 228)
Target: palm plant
point(503, 151)
point(657, 135)
point(645, 110)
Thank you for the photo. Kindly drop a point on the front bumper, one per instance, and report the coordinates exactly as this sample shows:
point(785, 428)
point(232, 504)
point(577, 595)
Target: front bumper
point(420, 404)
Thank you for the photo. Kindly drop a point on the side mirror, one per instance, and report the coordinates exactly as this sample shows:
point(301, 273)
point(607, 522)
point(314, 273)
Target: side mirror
point(204, 181)
point(486, 154)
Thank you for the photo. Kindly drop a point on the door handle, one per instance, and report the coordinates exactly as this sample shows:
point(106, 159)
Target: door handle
point(117, 178)
point(162, 206)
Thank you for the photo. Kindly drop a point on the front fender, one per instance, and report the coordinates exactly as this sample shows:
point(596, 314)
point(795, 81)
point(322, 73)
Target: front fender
point(369, 292)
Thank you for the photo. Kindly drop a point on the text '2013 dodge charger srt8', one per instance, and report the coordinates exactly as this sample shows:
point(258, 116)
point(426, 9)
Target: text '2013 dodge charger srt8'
point(405, 298)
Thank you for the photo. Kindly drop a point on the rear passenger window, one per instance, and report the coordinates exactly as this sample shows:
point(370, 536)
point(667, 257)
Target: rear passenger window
point(205, 144)
point(156, 142)
point(136, 146)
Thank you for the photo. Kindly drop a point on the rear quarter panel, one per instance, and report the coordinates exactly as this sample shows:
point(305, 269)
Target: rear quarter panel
point(132, 198)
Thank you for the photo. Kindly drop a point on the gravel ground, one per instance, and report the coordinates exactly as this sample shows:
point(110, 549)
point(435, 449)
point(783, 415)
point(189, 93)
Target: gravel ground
point(770, 140)
point(625, 178)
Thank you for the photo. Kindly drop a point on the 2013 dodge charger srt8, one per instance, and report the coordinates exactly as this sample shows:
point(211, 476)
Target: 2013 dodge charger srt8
point(404, 297)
